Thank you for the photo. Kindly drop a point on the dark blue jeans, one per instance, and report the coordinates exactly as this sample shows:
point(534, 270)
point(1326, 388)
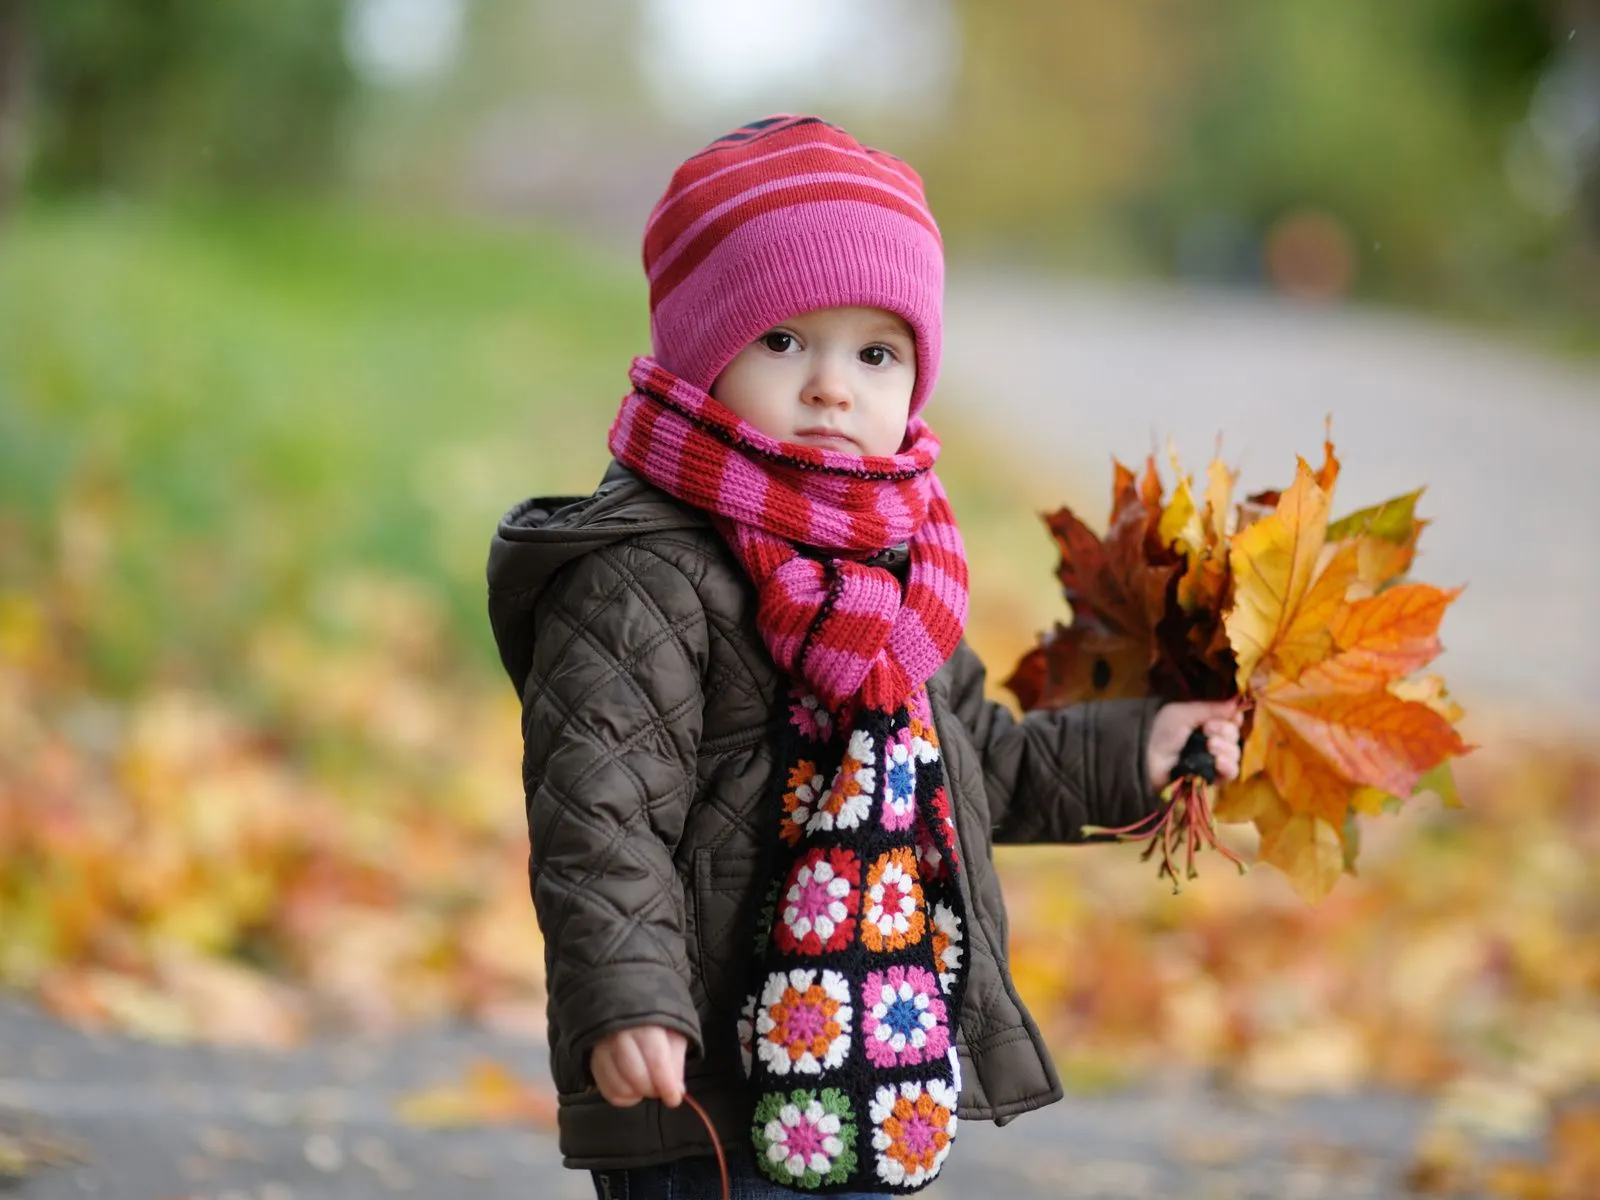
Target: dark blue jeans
point(697, 1179)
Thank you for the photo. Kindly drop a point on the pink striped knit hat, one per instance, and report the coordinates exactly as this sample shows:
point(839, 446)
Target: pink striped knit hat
point(782, 216)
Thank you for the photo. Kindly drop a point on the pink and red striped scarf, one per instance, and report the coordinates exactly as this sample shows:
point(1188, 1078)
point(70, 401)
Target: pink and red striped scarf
point(801, 519)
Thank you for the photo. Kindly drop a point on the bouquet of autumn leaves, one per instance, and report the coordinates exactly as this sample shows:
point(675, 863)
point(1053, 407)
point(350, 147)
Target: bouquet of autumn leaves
point(1310, 621)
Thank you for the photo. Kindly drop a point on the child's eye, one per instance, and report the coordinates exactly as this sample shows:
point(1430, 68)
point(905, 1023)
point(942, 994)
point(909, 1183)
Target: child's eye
point(877, 356)
point(777, 341)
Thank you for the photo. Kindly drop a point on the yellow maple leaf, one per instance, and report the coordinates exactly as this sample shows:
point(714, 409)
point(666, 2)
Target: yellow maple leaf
point(1308, 850)
point(1180, 521)
point(1220, 480)
point(1274, 562)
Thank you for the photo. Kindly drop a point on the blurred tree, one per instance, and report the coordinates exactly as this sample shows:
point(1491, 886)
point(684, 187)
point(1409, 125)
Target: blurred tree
point(1058, 110)
point(1392, 119)
point(1176, 135)
point(180, 92)
point(12, 85)
point(541, 111)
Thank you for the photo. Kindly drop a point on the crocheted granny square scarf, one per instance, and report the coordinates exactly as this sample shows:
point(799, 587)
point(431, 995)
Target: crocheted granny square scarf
point(848, 1033)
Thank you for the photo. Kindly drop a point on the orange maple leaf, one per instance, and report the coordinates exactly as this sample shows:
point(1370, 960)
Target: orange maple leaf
point(1329, 728)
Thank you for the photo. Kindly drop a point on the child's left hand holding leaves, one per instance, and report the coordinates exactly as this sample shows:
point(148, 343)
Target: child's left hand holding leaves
point(1173, 725)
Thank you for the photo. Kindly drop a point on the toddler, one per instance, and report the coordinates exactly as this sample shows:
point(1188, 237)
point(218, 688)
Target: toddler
point(763, 781)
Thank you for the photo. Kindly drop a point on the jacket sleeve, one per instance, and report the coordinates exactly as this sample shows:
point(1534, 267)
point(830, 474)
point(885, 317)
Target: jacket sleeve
point(1055, 771)
point(611, 721)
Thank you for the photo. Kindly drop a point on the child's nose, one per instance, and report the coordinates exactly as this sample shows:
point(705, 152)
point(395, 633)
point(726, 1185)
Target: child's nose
point(827, 386)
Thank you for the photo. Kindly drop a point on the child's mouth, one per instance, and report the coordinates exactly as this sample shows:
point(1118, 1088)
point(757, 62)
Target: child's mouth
point(825, 440)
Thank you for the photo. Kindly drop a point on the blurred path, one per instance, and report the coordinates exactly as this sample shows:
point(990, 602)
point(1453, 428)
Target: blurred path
point(1507, 442)
point(140, 1121)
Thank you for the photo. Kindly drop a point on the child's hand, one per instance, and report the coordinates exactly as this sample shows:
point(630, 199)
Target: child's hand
point(634, 1063)
point(1175, 722)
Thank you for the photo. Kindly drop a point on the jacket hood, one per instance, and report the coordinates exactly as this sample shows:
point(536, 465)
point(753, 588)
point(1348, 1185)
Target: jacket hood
point(542, 534)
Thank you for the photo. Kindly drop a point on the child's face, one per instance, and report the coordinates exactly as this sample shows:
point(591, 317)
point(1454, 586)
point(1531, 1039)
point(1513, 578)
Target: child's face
point(837, 378)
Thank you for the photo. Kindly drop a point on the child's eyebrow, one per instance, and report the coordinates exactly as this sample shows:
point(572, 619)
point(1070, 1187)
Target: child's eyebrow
point(890, 328)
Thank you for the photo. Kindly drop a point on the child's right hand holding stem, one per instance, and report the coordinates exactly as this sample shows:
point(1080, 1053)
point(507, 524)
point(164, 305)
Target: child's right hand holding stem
point(647, 1060)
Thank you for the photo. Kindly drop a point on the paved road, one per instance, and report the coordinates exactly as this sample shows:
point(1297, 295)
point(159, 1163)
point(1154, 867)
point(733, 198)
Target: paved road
point(133, 1120)
point(1507, 441)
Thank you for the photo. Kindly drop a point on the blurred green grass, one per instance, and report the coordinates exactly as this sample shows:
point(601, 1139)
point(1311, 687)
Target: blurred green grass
point(205, 412)
point(252, 398)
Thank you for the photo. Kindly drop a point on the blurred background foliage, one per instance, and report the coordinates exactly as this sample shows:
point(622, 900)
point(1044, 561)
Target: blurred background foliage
point(1444, 151)
point(1178, 136)
point(297, 296)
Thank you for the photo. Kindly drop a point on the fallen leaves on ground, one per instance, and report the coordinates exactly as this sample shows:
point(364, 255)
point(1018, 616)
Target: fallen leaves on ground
point(25, 1151)
point(1448, 1164)
point(345, 847)
point(488, 1093)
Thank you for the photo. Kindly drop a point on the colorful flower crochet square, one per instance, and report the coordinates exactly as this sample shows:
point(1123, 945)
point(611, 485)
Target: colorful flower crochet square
point(803, 1021)
point(903, 1017)
point(900, 778)
point(810, 717)
point(800, 801)
point(849, 798)
point(892, 915)
point(822, 895)
point(805, 1139)
point(912, 1128)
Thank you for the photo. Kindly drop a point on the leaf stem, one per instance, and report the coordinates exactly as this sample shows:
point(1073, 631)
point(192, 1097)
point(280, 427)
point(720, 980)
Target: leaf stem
point(1183, 824)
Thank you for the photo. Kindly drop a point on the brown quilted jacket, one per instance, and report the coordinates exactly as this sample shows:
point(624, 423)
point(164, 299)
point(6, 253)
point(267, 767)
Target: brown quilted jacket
point(649, 708)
